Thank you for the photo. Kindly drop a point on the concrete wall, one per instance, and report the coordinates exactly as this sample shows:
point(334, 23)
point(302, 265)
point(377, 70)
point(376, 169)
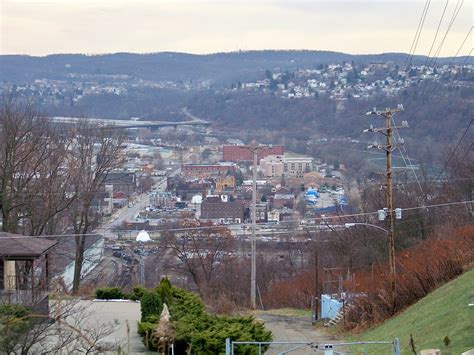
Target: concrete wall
point(92, 256)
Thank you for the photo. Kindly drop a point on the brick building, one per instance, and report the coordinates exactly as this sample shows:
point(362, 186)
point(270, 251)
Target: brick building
point(205, 170)
point(239, 153)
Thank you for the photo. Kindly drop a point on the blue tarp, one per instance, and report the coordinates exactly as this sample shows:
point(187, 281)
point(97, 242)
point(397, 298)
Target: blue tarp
point(329, 306)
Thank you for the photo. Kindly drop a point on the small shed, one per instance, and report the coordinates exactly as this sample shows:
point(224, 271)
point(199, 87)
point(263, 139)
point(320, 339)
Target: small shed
point(24, 270)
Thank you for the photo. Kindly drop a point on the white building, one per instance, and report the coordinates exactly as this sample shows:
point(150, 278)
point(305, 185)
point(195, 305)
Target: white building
point(292, 165)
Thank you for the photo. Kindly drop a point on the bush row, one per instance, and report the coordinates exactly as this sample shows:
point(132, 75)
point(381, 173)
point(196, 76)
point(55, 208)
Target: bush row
point(115, 293)
point(196, 330)
point(420, 270)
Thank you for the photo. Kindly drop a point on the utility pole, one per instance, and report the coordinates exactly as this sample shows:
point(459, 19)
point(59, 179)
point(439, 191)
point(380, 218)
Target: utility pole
point(253, 273)
point(318, 295)
point(389, 148)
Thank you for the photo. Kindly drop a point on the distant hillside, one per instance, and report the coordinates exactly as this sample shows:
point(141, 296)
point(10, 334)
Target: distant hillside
point(444, 312)
point(219, 67)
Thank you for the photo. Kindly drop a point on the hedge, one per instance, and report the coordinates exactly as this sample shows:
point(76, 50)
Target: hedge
point(195, 329)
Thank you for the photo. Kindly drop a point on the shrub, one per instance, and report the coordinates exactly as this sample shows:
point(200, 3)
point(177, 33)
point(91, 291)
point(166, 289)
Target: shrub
point(165, 290)
point(137, 293)
point(420, 270)
point(151, 306)
point(13, 310)
point(196, 329)
point(14, 326)
point(109, 293)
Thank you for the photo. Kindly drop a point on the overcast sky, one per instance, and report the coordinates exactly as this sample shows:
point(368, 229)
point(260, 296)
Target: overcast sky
point(40, 27)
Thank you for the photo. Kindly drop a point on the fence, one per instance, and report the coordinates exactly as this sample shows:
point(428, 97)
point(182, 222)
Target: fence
point(327, 349)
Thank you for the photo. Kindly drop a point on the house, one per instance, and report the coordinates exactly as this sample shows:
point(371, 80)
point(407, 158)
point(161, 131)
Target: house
point(261, 209)
point(273, 216)
point(225, 183)
point(283, 198)
point(122, 181)
point(214, 209)
point(24, 271)
point(162, 199)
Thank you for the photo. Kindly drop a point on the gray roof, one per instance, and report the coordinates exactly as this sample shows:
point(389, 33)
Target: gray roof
point(218, 209)
point(19, 246)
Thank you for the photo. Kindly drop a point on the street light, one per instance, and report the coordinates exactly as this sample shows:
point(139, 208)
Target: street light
point(350, 225)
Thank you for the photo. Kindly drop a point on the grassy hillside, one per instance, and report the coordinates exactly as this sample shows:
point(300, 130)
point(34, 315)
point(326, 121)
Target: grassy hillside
point(444, 312)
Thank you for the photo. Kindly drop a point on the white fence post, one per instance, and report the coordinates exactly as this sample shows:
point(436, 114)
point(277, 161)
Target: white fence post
point(328, 349)
point(396, 346)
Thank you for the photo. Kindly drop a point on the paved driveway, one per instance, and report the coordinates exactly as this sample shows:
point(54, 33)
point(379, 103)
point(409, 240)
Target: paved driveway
point(117, 314)
point(293, 329)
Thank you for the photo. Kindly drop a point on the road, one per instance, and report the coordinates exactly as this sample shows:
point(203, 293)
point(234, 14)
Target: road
point(122, 215)
point(114, 123)
point(293, 329)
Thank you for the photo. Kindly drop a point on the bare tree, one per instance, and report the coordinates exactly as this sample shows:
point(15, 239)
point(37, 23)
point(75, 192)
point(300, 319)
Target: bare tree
point(199, 252)
point(96, 151)
point(67, 328)
point(24, 149)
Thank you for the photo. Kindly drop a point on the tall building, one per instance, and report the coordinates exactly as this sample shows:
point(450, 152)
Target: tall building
point(241, 153)
point(292, 165)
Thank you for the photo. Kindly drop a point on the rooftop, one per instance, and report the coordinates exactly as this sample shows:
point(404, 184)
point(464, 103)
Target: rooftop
point(19, 246)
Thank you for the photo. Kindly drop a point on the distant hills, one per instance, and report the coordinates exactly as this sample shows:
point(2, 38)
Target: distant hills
point(218, 67)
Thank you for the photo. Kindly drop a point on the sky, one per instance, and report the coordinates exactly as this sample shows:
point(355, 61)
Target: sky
point(41, 27)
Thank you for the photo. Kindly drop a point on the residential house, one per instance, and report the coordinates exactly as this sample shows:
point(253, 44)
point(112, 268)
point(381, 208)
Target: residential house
point(24, 271)
point(122, 181)
point(162, 199)
point(214, 209)
point(283, 198)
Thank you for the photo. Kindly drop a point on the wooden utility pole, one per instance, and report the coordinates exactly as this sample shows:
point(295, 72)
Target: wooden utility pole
point(389, 148)
point(253, 273)
point(316, 276)
point(389, 198)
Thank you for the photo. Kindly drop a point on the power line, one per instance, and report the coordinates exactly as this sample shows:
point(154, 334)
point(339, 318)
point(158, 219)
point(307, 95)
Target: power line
point(462, 44)
point(468, 149)
point(433, 60)
point(437, 31)
point(455, 149)
point(259, 224)
point(451, 22)
point(409, 161)
point(418, 31)
point(419, 34)
point(467, 57)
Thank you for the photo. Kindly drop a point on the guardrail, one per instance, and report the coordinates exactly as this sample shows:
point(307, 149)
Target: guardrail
point(328, 349)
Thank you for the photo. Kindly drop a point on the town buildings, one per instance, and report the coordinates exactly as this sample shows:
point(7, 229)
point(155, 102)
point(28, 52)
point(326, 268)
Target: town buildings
point(206, 170)
point(243, 153)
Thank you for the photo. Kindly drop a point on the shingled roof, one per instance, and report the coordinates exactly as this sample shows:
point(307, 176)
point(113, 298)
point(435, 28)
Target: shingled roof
point(215, 208)
point(19, 246)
